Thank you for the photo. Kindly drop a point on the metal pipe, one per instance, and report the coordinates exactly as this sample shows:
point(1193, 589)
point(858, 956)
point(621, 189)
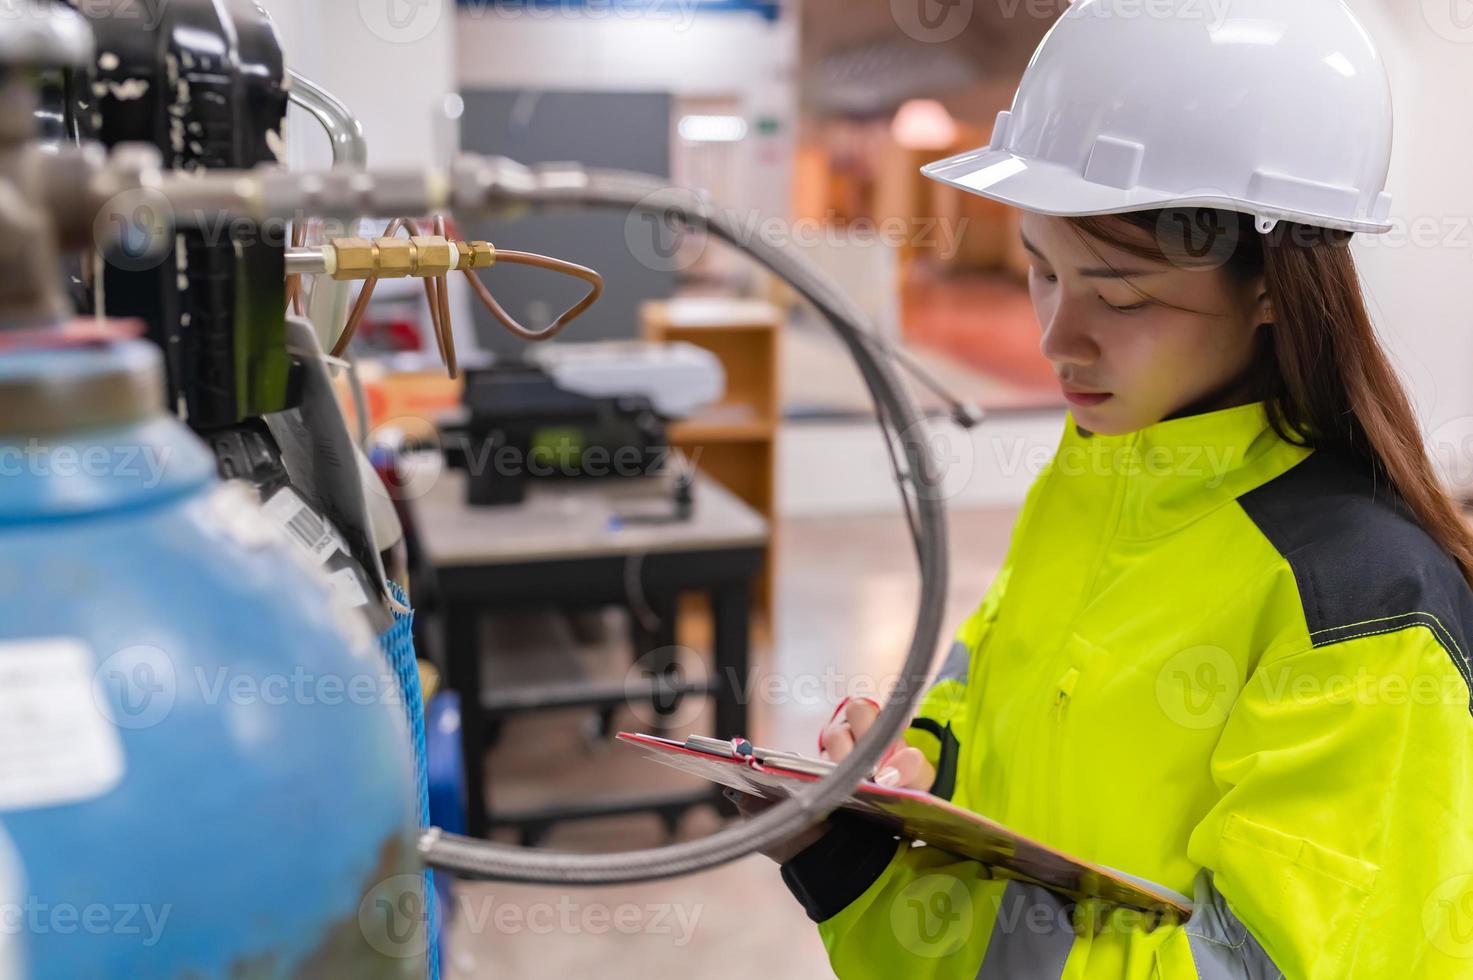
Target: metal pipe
point(344, 130)
point(328, 306)
point(306, 262)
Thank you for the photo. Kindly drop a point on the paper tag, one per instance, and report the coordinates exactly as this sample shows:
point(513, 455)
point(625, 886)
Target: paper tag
point(302, 524)
point(56, 745)
point(345, 588)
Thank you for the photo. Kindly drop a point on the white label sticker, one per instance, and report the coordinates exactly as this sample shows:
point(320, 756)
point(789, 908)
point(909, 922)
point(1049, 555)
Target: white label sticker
point(302, 524)
point(345, 588)
point(55, 745)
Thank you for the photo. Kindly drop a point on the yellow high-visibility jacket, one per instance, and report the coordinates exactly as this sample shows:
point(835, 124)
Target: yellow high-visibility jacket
point(1215, 660)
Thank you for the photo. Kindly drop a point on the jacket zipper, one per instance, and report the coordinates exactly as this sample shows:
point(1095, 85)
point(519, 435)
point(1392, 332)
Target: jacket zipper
point(1063, 691)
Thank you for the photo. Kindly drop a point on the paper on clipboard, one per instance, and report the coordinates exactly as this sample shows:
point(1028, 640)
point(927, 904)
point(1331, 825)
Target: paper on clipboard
point(915, 815)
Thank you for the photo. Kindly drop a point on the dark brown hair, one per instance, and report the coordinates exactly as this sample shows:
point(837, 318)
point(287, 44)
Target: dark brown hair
point(1319, 365)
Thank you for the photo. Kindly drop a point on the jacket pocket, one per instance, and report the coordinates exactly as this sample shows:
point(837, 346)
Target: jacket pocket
point(1296, 880)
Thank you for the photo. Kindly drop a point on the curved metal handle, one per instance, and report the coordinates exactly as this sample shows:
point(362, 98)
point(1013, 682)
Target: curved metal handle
point(344, 130)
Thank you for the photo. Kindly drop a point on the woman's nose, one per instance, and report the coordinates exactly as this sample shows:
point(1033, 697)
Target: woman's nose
point(1065, 341)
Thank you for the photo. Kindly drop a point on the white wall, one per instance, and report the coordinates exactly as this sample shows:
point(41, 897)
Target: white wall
point(1419, 277)
point(394, 74)
point(670, 49)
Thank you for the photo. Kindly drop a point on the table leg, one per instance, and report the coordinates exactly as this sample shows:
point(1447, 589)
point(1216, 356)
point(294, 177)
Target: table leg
point(731, 615)
point(463, 657)
point(656, 653)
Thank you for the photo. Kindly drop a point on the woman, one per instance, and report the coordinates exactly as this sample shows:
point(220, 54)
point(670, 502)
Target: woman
point(1229, 647)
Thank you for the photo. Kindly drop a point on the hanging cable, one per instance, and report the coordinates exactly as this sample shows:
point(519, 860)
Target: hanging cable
point(492, 185)
point(553, 186)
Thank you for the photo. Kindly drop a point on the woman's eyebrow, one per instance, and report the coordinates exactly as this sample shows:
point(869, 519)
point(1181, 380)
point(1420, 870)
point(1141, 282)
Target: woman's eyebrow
point(1096, 272)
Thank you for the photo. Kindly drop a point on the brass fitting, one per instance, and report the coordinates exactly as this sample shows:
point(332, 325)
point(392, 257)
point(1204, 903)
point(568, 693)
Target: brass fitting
point(475, 255)
point(423, 256)
point(357, 258)
point(395, 258)
point(432, 255)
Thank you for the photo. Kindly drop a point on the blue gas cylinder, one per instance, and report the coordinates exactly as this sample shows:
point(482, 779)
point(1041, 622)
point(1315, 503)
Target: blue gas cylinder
point(203, 768)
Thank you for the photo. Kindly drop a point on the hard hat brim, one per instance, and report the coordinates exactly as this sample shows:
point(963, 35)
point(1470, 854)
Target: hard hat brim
point(1052, 189)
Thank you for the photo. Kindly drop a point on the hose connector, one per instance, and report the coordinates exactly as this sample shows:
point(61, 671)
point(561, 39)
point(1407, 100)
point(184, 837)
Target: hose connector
point(476, 255)
point(419, 256)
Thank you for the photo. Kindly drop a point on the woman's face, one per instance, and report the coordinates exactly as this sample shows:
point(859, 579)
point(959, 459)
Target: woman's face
point(1142, 359)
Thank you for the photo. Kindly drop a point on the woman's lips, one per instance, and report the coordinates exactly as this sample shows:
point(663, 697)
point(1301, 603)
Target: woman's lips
point(1085, 397)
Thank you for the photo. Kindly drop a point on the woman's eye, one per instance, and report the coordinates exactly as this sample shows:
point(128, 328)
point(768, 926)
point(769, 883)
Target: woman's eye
point(1131, 308)
point(1045, 277)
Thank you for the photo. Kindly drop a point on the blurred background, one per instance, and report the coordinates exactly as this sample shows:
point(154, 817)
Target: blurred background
point(808, 121)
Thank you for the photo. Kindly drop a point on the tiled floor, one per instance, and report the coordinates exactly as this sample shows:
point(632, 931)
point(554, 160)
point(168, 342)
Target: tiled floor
point(842, 622)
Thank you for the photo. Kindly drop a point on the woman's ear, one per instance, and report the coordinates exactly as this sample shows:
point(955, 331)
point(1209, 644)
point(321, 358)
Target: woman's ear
point(1263, 306)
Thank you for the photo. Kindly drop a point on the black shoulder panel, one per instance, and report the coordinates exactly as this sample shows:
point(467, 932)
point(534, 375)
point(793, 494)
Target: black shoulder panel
point(1362, 562)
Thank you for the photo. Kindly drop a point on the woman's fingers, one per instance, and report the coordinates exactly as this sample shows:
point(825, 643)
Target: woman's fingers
point(907, 768)
point(851, 723)
point(838, 741)
point(861, 715)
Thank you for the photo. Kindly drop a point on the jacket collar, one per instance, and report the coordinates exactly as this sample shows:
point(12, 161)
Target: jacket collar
point(1172, 472)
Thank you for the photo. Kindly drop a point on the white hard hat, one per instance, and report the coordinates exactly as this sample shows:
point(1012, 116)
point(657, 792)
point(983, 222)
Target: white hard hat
point(1278, 108)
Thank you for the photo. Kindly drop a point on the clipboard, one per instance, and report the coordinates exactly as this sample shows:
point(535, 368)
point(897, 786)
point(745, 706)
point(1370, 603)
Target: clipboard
point(913, 814)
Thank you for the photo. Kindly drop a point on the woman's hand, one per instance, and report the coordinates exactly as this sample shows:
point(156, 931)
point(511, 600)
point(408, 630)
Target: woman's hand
point(780, 852)
point(903, 767)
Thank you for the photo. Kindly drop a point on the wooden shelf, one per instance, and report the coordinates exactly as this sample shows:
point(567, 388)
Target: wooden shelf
point(725, 423)
point(734, 441)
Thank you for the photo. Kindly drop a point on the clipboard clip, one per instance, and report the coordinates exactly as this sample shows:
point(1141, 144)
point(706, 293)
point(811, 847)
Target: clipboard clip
point(742, 748)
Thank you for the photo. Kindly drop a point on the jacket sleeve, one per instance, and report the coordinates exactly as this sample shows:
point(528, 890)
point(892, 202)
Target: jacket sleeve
point(1340, 847)
point(941, 717)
